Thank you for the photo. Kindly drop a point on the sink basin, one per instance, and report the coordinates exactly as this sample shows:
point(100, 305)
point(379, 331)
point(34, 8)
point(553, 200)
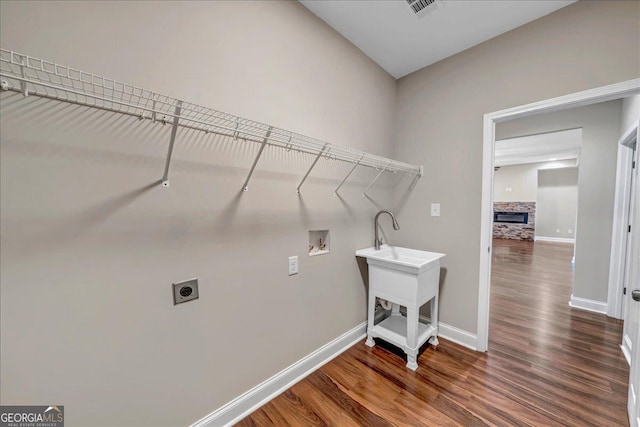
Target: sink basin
point(408, 278)
point(403, 259)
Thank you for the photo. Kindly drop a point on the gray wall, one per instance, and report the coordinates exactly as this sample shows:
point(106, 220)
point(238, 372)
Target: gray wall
point(600, 125)
point(522, 180)
point(557, 202)
point(440, 117)
point(91, 243)
point(515, 183)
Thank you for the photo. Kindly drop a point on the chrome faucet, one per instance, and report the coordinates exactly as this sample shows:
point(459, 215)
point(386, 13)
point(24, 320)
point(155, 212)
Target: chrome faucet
point(396, 226)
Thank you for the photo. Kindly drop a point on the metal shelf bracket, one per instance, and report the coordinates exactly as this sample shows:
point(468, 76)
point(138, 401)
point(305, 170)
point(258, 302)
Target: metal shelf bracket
point(335, 192)
point(416, 177)
point(311, 167)
point(23, 84)
point(153, 112)
point(364, 193)
point(245, 186)
point(172, 140)
point(235, 132)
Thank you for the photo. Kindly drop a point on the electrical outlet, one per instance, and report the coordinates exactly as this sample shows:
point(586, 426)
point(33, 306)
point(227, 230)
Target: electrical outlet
point(435, 209)
point(570, 231)
point(293, 265)
point(557, 230)
point(185, 291)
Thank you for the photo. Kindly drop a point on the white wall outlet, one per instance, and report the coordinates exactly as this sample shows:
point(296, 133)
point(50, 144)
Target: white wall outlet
point(293, 265)
point(185, 291)
point(557, 230)
point(570, 231)
point(435, 209)
point(508, 189)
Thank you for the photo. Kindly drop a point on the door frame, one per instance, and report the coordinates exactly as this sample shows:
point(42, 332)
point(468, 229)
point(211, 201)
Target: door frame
point(620, 234)
point(574, 100)
point(629, 335)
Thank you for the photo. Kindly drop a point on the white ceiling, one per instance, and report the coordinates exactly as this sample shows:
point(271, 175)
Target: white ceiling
point(391, 34)
point(543, 147)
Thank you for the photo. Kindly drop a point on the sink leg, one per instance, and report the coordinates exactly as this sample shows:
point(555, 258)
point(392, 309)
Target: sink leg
point(434, 341)
point(411, 362)
point(370, 319)
point(434, 316)
point(412, 337)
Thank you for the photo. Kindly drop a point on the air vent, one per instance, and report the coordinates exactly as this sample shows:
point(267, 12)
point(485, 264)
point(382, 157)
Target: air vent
point(423, 7)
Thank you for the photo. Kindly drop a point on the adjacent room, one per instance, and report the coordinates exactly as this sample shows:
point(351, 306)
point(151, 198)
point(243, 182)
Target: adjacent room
point(412, 212)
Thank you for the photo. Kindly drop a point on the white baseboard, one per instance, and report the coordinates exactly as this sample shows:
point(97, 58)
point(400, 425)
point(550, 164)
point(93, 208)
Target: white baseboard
point(458, 336)
point(588, 304)
point(453, 334)
point(626, 349)
point(554, 239)
point(248, 402)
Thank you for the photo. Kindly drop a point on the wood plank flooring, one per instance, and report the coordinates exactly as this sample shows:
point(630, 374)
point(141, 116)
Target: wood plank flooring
point(547, 364)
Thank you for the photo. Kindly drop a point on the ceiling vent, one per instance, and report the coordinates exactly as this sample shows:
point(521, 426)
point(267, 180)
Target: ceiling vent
point(423, 7)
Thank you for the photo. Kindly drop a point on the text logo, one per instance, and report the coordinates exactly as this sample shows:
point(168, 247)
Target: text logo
point(32, 416)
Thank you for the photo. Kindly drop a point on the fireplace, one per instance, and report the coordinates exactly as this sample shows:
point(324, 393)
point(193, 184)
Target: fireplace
point(514, 220)
point(511, 217)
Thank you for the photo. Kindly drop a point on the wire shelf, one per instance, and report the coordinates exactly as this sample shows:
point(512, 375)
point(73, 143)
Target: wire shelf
point(34, 76)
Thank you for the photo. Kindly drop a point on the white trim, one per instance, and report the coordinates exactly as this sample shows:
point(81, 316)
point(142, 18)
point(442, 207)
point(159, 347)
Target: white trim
point(619, 234)
point(554, 239)
point(626, 349)
point(486, 232)
point(588, 304)
point(458, 336)
point(251, 400)
point(579, 99)
point(453, 334)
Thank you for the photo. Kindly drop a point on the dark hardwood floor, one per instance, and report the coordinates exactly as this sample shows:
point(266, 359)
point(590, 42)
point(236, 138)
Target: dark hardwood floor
point(547, 364)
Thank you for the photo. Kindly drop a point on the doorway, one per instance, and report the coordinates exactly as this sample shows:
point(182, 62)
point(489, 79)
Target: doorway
point(534, 222)
point(589, 97)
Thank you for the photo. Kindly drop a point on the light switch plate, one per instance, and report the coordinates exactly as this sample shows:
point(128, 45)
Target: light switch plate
point(185, 291)
point(293, 265)
point(435, 209)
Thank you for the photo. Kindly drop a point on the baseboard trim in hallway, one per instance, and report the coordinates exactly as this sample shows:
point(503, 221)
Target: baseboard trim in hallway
point(554, 239)
point(248, 402)
point(588, 304)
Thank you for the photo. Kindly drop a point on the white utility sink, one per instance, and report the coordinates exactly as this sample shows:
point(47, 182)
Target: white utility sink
point(403, 259)
point(409, 278)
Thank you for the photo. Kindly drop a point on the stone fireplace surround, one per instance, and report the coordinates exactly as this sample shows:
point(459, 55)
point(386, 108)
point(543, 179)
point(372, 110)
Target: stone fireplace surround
point(515, 231)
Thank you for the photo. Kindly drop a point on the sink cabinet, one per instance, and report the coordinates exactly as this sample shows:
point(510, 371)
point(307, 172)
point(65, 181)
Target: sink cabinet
point(408, 278)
